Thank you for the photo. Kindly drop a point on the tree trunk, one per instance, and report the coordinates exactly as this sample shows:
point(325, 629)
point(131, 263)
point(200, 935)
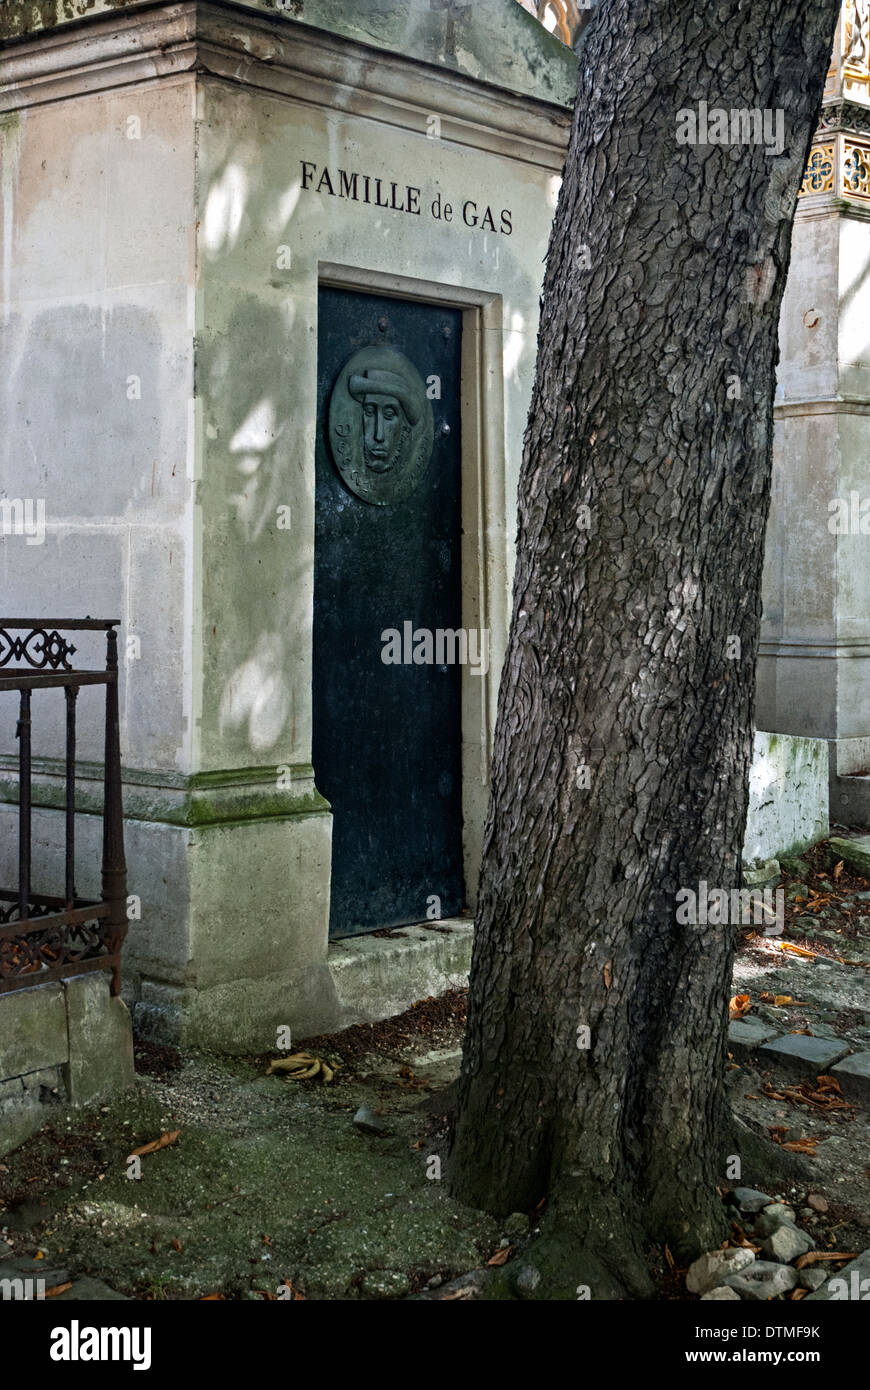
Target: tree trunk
point(634, 640)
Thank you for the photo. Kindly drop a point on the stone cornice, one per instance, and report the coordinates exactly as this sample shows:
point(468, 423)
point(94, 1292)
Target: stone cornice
point(845, 116)
point(204, 38)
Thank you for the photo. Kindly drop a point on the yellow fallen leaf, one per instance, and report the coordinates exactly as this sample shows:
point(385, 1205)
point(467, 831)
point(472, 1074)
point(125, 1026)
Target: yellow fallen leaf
point(739, 1005)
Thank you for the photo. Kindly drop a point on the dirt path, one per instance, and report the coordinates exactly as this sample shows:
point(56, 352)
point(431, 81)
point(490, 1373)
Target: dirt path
point(269, 1180)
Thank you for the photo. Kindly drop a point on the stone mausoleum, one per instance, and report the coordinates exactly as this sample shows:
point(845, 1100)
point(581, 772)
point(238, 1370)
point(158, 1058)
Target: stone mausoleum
point(270, 276)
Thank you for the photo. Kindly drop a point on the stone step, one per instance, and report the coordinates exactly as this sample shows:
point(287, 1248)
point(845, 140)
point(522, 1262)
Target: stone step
point(802, 1056)
point(853, 1074)
point(746, 1035)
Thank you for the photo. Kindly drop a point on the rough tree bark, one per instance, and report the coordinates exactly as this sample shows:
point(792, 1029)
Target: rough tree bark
point(663, 285)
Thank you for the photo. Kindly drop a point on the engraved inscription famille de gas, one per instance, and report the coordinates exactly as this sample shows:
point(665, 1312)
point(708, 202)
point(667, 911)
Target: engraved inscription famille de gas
point(393, 196)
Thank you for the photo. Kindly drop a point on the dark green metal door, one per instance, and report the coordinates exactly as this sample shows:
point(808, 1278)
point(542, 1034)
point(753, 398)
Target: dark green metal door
point(387, 733)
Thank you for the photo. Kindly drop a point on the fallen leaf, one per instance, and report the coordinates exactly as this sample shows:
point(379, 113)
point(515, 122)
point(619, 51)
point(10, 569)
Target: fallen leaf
point(167, 1137)
point(176, 1244)
point(816, 1257)
point(501, 1256)
point(797, 950)
point(210, 1297)
point(781, 999)
point(797, 1294)
point(607, 976)
point(739, 1005)
point(58, 1288)
point(297, 1061)
point(827, 1083)
point(826, 1099)
point(838, 869)
point(802, 1146)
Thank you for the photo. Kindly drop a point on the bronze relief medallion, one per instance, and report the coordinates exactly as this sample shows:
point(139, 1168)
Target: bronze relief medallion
point(381, 427)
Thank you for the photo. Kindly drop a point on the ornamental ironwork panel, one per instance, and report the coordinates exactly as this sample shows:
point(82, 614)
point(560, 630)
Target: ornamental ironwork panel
point(44, 937)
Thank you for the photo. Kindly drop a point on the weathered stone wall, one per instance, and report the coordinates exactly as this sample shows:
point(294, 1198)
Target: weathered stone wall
point(66, 1043)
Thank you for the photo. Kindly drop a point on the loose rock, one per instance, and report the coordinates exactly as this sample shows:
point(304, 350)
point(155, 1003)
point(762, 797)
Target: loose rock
point(710, 1270)
point(850, 1283)
point(527, 1280)
point(773, 1217)
point(517, 1224)
point(763, 1280)
point(787, 1243)
point(750, 1199)
point(367, 1122)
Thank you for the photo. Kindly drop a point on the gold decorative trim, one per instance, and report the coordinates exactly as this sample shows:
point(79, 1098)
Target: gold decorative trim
point(820, 170)
point(840, 166)
point(856, 168)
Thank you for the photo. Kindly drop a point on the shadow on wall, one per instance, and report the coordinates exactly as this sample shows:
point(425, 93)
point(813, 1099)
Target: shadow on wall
point(252, 406)
point(82, 442)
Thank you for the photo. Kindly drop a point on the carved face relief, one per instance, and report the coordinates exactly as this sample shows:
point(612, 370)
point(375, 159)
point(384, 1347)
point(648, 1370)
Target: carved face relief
point(384, 429)
point(381, 427)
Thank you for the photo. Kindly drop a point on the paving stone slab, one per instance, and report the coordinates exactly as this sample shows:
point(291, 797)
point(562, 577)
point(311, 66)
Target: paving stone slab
point(745, 1035)
point(853, 1074)
point(856, 853)
point(802, 1056)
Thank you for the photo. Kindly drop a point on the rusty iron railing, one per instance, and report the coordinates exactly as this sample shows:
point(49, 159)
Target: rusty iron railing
point(43, 937)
